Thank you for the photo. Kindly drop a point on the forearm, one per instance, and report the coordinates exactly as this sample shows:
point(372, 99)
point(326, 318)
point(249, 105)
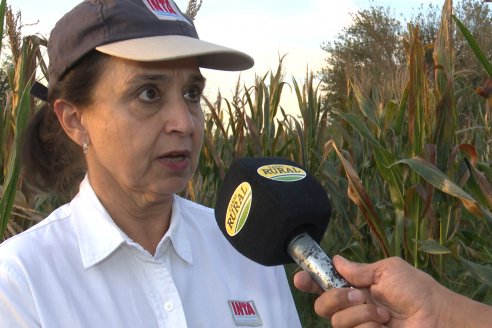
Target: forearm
point(461, 311)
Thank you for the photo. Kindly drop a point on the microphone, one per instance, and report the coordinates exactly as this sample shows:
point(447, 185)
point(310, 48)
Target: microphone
point(274, 212)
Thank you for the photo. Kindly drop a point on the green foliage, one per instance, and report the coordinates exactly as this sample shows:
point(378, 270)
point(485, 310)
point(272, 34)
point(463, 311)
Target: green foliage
point(16, 214)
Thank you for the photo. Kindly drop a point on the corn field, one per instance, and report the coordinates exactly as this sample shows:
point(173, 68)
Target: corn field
point(407, 176)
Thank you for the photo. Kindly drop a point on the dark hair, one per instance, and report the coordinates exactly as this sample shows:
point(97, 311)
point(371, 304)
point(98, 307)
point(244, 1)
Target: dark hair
point(51, 161)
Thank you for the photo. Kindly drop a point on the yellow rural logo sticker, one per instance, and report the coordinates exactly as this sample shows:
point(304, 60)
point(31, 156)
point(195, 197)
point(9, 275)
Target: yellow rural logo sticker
point(238, 209)
point(279, 172)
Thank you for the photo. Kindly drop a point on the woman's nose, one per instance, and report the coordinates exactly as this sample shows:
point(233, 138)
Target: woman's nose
point(179, 118)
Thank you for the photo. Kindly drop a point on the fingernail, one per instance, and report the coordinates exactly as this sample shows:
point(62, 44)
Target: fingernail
point(355, 296)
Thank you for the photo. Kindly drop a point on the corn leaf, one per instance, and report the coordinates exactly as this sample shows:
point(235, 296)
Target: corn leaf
point(22, 110)
point(443, 49)
point(432, 247)
point(440, 181)
point(384, 159)
point(417, 94)
point(366, 104)
point(358, 194)
point(479, 186)
point(3, 7)
point(400, 117)
point(482, 58)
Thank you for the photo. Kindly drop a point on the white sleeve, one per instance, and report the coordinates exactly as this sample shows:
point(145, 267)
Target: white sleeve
point(16, 302)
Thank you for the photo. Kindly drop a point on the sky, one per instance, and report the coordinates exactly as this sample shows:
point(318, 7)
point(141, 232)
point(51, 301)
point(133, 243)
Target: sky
point(265, 29)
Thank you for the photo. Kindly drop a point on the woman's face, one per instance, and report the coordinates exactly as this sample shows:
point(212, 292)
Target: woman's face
point(145, 127)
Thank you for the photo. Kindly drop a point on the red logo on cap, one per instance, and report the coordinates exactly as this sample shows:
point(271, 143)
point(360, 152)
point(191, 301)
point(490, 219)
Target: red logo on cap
point(161, 5)
point(165, 10)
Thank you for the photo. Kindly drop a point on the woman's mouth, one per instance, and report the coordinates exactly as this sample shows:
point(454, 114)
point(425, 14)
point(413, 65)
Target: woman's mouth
point(175, 161)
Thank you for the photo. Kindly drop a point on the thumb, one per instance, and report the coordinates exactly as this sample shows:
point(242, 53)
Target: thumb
point(357, 274)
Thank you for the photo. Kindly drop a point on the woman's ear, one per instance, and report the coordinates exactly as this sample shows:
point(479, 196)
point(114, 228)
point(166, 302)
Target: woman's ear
point(70, 118)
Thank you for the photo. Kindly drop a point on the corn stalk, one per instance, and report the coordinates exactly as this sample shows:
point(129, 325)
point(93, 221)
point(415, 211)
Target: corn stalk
point(15, 115)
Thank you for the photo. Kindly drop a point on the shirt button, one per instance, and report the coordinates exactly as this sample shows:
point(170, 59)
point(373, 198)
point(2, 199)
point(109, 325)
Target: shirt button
point(169, 306)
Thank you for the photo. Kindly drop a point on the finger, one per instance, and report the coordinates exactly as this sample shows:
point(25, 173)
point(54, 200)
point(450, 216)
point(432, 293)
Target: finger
point(357, 274)
point(304, 282)
point(337, 299)
point(371, 325)
point(360, 315)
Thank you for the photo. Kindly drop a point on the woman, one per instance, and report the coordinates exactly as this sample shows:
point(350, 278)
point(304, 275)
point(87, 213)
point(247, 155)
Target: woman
point(125, 87)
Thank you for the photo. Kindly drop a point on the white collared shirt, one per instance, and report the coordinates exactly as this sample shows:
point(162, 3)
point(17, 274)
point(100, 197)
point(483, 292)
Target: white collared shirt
point(78, 269)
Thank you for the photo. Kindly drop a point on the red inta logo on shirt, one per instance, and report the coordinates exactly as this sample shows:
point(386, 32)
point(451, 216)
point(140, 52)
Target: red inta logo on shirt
point(164, 9)
point(245, 314)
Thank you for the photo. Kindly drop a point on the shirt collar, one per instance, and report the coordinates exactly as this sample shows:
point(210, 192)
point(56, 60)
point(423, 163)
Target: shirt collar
point(177, 234)
point(99, 236)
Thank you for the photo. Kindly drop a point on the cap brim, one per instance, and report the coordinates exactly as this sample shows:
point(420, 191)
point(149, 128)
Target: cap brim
point(171, 47)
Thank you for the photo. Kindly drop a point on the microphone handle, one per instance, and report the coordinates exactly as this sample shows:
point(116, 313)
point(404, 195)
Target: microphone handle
point(310, 257)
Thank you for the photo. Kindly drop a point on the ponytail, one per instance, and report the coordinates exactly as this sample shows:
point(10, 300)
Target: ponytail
point(52, 162)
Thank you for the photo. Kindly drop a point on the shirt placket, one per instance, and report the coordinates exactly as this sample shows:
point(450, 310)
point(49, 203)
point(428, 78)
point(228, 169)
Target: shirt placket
point(169, 303)
point(163, 295)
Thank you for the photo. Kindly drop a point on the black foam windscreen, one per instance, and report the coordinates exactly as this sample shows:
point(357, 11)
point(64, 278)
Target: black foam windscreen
point(265, 202)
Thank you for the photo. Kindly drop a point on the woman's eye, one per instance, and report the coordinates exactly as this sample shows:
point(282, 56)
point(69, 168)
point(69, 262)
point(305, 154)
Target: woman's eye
point(149, 95)
point(193, 94)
